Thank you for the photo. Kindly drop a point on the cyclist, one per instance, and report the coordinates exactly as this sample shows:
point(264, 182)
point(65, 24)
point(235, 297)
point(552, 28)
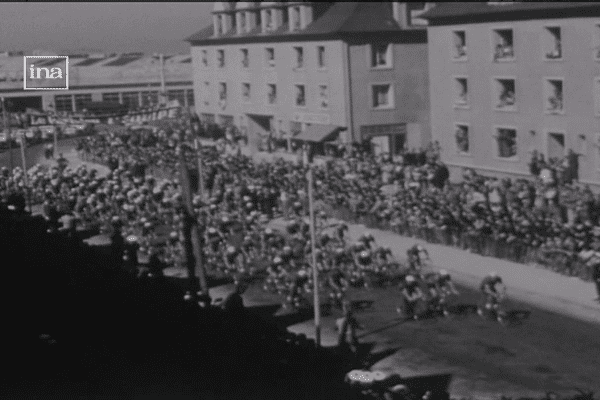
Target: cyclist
point(416, 255)
point(234, 262)
point(339, 284)
point(492, 289)
point(367, 240)
point(412, 297)
point(295, 298)
point(444, 288)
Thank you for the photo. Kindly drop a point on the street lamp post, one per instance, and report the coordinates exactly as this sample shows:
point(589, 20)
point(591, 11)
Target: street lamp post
point(315, 270)
point(5, 118)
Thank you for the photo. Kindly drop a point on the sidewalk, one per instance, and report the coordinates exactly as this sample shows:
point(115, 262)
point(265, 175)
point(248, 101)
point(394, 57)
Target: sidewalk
point(526, 283)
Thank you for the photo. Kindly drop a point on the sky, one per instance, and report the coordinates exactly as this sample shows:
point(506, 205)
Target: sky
point(103, 27)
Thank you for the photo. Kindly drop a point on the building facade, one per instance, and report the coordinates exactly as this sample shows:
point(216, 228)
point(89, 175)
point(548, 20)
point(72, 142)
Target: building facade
point(130, 79)
point(510, 78)
point(298, 68)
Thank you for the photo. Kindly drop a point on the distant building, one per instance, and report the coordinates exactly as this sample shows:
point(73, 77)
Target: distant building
point(133, 79)
point(507, 78)
point(334, 71)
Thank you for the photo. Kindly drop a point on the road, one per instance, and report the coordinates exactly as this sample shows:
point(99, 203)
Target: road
point(548, 351)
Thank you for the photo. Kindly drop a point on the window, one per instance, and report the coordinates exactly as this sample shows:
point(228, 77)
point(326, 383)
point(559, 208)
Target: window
point(551, 43)
point(272, 93)
point(189, 94)
point(505, 99)
point(178, 95)
point(459, 45)
point(299, 63)
point(221, 58)
point(206, 93)
point(63, 103)
point(503, 45)
point(597, 96)
point(382, 96)
point(110, 97)
point(245, 58)
point(208, 118)
point(82, 100)
point(461, 136)
point(270, 56)
point(131, 99)
point(597, 42)
point(556, 145)
point(222, 91)
point(323, 97)
point(204, 58)
point(321, 62)
point(506, 143)
point(295, 127)
point(300, 96)
point(381, 55)
point(149, 98)
point(553, 96)
point(461, 91)
point(246, 92)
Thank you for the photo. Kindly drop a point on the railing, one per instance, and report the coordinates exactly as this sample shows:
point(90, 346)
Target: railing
point(510, 249)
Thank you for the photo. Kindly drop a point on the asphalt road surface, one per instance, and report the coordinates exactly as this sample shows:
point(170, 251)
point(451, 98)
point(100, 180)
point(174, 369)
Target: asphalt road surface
point(545, 351)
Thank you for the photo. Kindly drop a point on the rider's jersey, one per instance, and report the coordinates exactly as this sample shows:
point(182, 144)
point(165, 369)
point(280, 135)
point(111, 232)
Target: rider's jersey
point(337, 277)
point(300, 281)
point(411, 290)
point(489, 283)
point(232, 257)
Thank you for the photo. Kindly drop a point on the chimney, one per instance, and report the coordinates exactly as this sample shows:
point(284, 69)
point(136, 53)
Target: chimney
point(401, 13)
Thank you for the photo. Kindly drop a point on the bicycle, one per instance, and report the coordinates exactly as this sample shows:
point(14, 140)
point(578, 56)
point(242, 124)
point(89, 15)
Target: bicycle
point(492, 307)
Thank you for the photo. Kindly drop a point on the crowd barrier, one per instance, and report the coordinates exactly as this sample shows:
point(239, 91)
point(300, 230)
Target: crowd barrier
point(513, 249)
point(560, 261)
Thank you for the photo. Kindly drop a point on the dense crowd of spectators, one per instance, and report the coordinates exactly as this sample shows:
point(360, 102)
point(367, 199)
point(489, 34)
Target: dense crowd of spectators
point(411, 194)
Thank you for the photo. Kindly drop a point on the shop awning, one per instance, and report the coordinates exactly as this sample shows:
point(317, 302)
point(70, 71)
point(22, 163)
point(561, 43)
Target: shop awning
point(319, 133)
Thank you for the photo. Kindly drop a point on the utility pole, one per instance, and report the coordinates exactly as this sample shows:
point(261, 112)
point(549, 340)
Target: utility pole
point(23, 141)
point(313, 251)
point(5, 118)
point(191, 232)
point(198, 148)
point(163, 89)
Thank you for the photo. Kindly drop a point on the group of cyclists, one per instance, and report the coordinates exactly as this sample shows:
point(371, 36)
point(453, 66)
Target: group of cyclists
point(341, 265)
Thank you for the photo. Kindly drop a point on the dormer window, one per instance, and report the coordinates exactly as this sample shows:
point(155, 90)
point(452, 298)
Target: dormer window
point(242, 22)
point(294, 19)
point(269, 21)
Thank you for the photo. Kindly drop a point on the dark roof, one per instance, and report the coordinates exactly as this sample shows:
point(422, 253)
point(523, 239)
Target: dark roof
point(186, 61)
point(340, 18)
point(89, 61)
point(518, 10)
point(119, 62)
